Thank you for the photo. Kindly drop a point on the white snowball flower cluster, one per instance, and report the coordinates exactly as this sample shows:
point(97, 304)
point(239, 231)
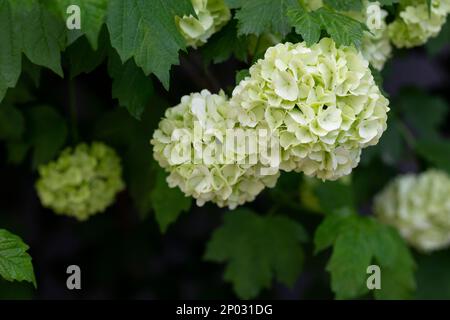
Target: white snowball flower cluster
point(419, 207)
point(376, 46)
point(212, 16)
point(415, 25)
point(322, 101)
point(190, 144)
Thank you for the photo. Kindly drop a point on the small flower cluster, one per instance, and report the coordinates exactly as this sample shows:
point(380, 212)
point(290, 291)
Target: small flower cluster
point(82, 182)
point(419, 207)
point(416, 23)
point(321, 104)
point(212, 15)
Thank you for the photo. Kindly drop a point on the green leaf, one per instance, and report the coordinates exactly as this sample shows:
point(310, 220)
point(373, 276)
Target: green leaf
point(348, 263)
point(10, 48)
point(328, 231)
point(131, 138)
point(388, 2)
point(344, 30)
point(224, 44)
point(344, 5)
point(92, 12)
point(43, 35)
point(391, 146)
point(233, 4)
point(83, 59)
point(15, 262)
point(167, 202)
point(260, 16)
point(46, 133)
point(436, 44)
point(131, 86)
point(146, 31)
point(425, 121)
point(335, 196)
point(241, 75)
point(436, 152)
point(398, 265)
point(12, 123)
point(17, 152)
point(433, 278)
point(257, 249)
point(359, 242)
point(305, 23)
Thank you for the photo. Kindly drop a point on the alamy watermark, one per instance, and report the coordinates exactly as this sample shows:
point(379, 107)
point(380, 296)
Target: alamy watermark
point(74, 279)
point(233, 146)
point(374, 280)
point(73, 21)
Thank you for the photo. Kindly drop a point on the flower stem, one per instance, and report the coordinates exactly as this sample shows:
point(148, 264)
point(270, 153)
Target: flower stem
point(73, 111)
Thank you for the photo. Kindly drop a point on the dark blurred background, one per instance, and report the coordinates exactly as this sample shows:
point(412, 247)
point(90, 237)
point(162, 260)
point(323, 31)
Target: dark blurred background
point(121, 254)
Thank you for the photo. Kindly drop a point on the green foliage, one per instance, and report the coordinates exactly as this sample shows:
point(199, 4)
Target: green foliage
point(241, 74)
point(167, 202)
point(145, 30)
point(93, 13)
point(259, 16)
point(131, 138)
point(433, 278)
point(307, 24)
point(342, 29)
point(257, 249)
point(436, 152)
point(426, 121)
point(42, 34)
point(15, 262)
point(435, 45)
point(12, 123)
point(334, 196)
point(388, 2)
point(83, 58)
point(10, 50)
point(47, 133)
point(224, 44)
point(130, 86)
point(345, 5)
point(357, 243)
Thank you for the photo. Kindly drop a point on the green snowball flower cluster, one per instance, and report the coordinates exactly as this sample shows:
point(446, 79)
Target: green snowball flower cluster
point(212, 15)
point(415, 24)
point(321, 101)
point(419, 207)
point(82, 182)
point(190, 144)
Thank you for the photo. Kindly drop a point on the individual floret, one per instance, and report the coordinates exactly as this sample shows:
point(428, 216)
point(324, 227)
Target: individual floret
point(212, 15)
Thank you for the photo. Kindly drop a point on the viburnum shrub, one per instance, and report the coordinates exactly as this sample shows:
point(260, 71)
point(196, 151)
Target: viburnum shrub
point(271, 114)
